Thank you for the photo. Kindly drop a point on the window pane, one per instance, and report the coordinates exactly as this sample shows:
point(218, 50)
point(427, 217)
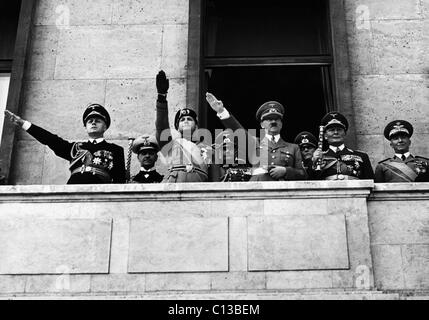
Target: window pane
point(4, 88)
point(244, 89)
point(265, 28)
point(9, 14)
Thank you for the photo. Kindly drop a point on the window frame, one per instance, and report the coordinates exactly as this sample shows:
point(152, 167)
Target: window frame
point(338, 63)
point(16, 67)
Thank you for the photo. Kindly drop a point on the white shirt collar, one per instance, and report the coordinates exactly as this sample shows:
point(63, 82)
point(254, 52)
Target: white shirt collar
point(399, 155)
point(276, 137)
point(149, 170)
point(333, 148)
point(97, 141)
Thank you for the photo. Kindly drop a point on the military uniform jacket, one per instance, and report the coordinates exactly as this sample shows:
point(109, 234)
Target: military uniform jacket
point(148, 177)
point(106, 158)
point(188, 161)
point(264, 153)
point(347, 162)
point(413, 169)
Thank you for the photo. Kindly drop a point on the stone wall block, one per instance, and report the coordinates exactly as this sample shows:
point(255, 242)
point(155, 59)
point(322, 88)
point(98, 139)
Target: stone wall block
point(388, 271)
point(395, 223)
point(400, 46)
point(41, 58)
point(49, 246)
point(151, 11)
point(388, 98)
point(63, 13)
point(57, 106)
point(121, 283)
point(28, 163)
point(378, 10)
point(113, 52)
point(415, 261)
point(175, 50)
point(297, 243)
point(238, 281)
point(299, 280)
point(60, 284)
point(178, 245)
point(178, 282)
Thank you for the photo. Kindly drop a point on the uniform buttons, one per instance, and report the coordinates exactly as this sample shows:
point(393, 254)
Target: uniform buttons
point(274, 151)
point(272, 163)
point(274, 157)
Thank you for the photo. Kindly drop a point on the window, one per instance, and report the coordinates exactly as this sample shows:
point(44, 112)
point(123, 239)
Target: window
point(4, 89)
point(9, 15)
point(253, 52)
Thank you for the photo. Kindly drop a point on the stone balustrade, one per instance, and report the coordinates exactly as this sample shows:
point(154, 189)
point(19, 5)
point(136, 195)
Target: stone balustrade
point(262, 236)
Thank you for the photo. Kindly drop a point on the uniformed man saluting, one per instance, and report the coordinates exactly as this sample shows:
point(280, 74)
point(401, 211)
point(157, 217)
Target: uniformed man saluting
point(273, 159)
point(340, 162)
point(92, 162)
point(188, 158)
point(403, 166)
point(146, 147)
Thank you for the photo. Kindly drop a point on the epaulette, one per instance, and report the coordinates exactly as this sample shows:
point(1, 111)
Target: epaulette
point(421, 157)
point(384, 160)
point(350, 150)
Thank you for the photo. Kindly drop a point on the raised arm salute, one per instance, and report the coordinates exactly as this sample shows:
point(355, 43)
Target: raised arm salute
point(273, 159)
point(188, 158)
point(91, 162)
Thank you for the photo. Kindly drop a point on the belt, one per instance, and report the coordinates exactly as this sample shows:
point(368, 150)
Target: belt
point(189, 168)
point(341, 177)
point(95, 171)
point(259, 171)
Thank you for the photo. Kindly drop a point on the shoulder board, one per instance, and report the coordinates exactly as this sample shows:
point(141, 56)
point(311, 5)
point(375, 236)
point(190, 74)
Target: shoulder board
point(384, 160)
point(421, 157)
point(350, 150)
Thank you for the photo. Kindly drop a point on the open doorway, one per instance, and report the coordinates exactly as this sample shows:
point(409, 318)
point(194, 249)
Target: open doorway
point(254, 52)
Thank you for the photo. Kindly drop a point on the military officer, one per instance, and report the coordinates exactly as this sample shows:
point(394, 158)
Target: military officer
point(188, 158)
point(273, 159)
point(146, 147)
point(94, 161)
point(307, 143)
point(403, 166)
point(339, 162)
point(232, 165)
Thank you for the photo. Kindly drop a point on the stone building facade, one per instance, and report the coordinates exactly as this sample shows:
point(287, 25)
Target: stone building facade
point(109, 51)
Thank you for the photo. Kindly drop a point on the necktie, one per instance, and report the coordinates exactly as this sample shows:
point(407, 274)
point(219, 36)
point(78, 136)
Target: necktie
point(273, 139)
point(403, 157)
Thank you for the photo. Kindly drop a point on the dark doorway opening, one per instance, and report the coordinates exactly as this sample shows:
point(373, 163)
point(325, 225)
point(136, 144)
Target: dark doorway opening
point(244, 89)
point(254, 52)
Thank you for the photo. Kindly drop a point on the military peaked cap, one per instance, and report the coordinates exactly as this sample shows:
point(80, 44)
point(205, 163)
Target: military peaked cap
point(270, 108)
point(398, 126)
point(306, 138)
point(96, 110)
point(335, 119)
point(145, 142)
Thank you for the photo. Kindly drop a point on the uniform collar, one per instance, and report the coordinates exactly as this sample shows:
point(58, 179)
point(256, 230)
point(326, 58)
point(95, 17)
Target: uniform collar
point(145, 171)
point(276, 137)
point(399, 155)
point(97, 141)
point(333, 148)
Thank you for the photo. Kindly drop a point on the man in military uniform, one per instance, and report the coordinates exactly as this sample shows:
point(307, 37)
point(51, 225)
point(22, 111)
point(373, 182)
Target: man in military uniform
point(231, 165)
point(146, 147)
point(339, 162)
point(307, 144)
point(188, 158)
point(91, 162)
point(403, 166)
point(273, 159)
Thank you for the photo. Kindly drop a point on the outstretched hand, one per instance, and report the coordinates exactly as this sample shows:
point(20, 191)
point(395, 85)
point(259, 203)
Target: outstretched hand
point(17, 121)
point(216, 104)
point(162, 83)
